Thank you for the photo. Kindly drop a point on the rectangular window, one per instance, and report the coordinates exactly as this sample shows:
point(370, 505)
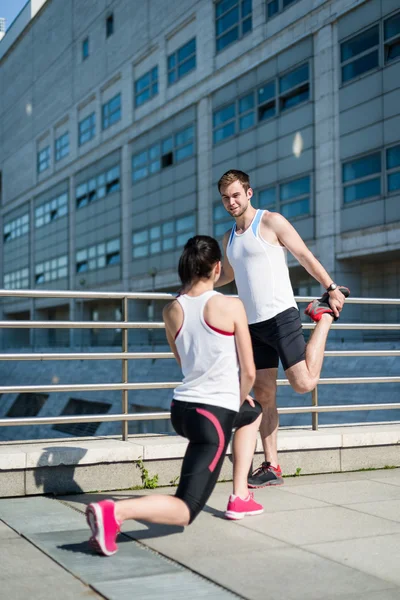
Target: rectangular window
point(43, 159)
point(52, 210)
point(360, 54)
point(98, 187)
point(233, 19)
point(267, 198)
point(87, 129)
point(266, 101)
point(274, 7)
point(50, 270)
point(391, 31)
point(98, 256)
point(111, 111)
point(224, 122)
point(184, 144)
point(146, 87)
point(362, 178)
point(16, 228)
point(110, 25)
point(246, 111)
point(222, 220)
point(85, 48)
point(295, 197)
point(27, 405)
point(16, 279)
point(393, 168)
point(170, 235)
point(181, 62)
point(294, 87)
point(61, 146)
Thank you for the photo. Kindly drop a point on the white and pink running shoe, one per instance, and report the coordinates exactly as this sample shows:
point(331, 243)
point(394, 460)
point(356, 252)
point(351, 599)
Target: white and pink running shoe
point(238, 508)
point(105, 528)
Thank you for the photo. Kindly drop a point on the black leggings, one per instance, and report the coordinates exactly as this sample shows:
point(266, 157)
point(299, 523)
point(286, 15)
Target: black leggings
point(208, 429)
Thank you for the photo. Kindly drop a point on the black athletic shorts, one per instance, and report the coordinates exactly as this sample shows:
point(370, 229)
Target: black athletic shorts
point(208, 429)
point(278, 338)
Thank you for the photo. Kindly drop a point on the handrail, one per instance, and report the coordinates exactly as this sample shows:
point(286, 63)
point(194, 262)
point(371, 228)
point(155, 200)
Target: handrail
point(124, 356)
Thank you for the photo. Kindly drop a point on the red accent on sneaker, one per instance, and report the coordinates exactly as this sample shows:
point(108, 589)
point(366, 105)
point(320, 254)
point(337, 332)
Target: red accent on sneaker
point(238, 508)
point(101, 519)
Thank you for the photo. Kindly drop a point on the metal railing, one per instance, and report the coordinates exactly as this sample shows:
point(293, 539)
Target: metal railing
point(124, 356)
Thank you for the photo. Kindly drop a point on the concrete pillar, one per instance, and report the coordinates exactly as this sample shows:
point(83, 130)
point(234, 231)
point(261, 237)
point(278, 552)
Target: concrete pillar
point(126, 216)
point(71, 255)
point(204, 167)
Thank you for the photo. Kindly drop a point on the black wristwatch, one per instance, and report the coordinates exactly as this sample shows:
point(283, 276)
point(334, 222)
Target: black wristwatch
point(332, 287)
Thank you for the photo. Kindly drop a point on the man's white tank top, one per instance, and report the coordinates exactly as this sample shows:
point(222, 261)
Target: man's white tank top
point(261, 273)
point(208, 358)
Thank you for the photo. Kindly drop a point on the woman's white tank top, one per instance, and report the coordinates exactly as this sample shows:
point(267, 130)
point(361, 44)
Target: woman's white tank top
point(208, 358)
point(261, 273)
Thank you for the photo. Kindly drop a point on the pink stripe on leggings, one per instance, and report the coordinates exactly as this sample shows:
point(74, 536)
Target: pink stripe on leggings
point(221, 436)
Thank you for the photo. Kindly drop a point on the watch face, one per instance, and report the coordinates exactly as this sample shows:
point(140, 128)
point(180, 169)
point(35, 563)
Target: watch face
point(332, 287)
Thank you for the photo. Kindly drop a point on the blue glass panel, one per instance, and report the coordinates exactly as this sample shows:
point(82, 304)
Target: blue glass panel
point(293, 78)
point(287, 3)
point(171, 61)
point(267, 197)
point(187, 50)
point(224, 114)
point(154, 89)
point(246, 25)
point(184, 136)
point(367, 165)
point(140, 251)
point(184, 152)
point(295, 209)
point(246, 121)
point(228, 38)
point(171, 77)
point(293, 100)
point(168, 244)
point(393, 157)
point(167, 145)
point(359, 191)
point(219, 212)
point(393, 51)
point(360, 66)
point(228, 20)
point(394, 182)
point(168, 228)
point(224, 132)
point(221, 228)
point(392, 26)
point(267, 111)
point(246, 8)
point(360, 43)
point(246, 103)
point(187, 66)
point(272, 8)
point(154, 74)
point(294, 188)
point(223, 6)
point(143, 97)
point(142, 83)
point(185, 223)
point(266, 92)
point(139, 174)
point(139, 159)
point(140, 237)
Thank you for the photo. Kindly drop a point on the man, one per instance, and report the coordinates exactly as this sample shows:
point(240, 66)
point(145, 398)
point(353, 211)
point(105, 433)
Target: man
point(255, 252)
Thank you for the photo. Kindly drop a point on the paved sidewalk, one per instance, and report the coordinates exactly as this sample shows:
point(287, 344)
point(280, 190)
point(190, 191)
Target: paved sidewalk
point(321, 537)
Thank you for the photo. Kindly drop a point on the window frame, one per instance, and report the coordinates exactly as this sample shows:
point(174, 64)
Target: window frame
point(85, 48)
point(109, 25)
point(52, 207)
point(94, 184)
point(238, 24)
point(46, 160)
point(59, 146)
point(92, 128)
point(108, 115)
point(47, 268)
point(390, 171)
point(16, 280)
point(363, 179)
point(280, 10)
point(387, 43)
point(162, 237)
point(16, 227)
point(178, 64)
point(98, 253)
point(152, 83)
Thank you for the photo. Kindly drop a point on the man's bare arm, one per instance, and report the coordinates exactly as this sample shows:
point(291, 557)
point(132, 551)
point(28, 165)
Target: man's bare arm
point(227, 274)
point(289, 237)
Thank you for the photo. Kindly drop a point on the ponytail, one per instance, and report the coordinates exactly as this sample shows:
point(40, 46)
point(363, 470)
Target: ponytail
point(198, 258)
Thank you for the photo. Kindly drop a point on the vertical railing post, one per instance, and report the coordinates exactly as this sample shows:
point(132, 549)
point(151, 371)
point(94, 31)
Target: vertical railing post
point(314, 401)
point(125, 407)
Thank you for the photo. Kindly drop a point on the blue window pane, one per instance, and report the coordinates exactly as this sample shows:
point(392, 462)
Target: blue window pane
point(184, 152)
point(155, 166)
point(246, 103)
point(141, 237)
point(171, 61)
point(295, 188)
point(367, 165)
point(246, 26)
point(221, 228)
point(185, 223)
point(294, 99)
point(168, 244)
point(115, 103)
point(360, 66)
point(272, 8)
point(223, 6)
point(287, 3)
point(224, 132)
point(154, 151)
point(187, 66)
point(246, 121)
point(393, 51)
point(140, 251)
point(225, 114)
point(167, 145)
point(139, 174)
point(267, 197)
point(154, 74)
point(154, 89)
point(295, 209)
point(187, 50)
point(359, 191)
point(267, 111)
point(246, 8)
point(143, 97)
point(394, 182)
point(360, 43)
point(85, 48)
point(171, 77)
point(266, 92)
point(142, 83)
point(228, 38)
point(184, 136)
point(392, 26)
point(228, 20)
point(293, 78)
point(168, 228)
point(219, 212)
point(393, 157)
point(139, 159)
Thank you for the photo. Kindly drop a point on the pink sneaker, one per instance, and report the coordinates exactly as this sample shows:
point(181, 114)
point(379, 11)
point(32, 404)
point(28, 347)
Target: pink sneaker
point(238, 508)
point(105, 528)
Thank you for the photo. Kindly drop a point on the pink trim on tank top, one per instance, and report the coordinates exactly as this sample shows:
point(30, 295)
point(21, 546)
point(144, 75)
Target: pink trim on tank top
point(219, 330)
point(221, 437)
point(178, 332)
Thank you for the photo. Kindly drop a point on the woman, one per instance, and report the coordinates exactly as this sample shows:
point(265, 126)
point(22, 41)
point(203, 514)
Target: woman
point(209, 336)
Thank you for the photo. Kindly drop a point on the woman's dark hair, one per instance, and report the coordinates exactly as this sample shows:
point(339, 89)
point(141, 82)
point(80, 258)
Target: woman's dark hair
point(199, 256)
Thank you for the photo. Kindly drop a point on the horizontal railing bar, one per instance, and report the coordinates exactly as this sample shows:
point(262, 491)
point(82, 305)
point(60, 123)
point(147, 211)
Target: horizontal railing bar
point(166, 415)
point(160, 325)
point(88, 356)
point(98, 387)
point(151, 296)
point(157, 355)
